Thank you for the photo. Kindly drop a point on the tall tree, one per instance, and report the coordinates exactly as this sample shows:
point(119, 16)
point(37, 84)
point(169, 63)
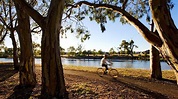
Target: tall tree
point(166, 37)
point(8, 19)
point(79, 49)
point(128, 47)
point(112, 51)
point(125, 46)
point(131, 47)
point(53, 85)
point(71, 50)
point(27, 70)
point(94, 52)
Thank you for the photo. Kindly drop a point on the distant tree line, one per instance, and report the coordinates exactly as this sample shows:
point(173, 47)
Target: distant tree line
point(8, 52)
point(125, 49)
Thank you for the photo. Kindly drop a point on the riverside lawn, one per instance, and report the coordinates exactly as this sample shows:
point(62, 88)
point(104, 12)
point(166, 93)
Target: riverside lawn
point(136, 73)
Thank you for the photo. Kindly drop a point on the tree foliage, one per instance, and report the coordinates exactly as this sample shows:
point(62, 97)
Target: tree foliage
point(136, 8)
point(127, 47)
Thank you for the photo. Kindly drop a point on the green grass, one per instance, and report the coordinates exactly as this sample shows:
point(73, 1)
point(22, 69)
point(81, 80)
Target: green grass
point(140, 73)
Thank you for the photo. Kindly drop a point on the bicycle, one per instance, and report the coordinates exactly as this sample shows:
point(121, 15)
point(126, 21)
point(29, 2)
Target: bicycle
point(111, 71)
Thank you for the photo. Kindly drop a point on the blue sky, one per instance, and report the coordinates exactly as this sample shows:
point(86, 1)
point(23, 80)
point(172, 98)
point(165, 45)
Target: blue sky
point(114, 34)
point(111, 38)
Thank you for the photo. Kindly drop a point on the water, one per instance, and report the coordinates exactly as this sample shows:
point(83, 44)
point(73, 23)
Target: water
point(137, 64)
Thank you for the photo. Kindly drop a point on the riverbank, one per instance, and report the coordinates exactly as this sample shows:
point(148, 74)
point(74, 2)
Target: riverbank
point(135, 73)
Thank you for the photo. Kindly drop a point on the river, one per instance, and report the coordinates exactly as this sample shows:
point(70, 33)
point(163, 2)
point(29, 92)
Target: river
point(137, 64)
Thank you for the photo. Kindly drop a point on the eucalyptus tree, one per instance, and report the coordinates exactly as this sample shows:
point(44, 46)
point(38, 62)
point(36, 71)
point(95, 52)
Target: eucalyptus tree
point(131, 47)
point(165, 39)
point(112, 51)
point(128, 47)
point(53, 84)
point(27, 74)
point(79, 49)
point(84, 53)
point(100, 52)
point(125, 46)
point(36, 48)
point(94, 52)
point(8, 26)
point(71, 50)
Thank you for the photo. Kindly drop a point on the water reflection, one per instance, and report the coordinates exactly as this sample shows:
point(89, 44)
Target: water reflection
point(96, 63)
point(116, 63)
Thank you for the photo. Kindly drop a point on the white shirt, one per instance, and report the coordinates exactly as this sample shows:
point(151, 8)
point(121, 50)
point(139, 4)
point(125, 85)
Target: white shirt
point(103, 61)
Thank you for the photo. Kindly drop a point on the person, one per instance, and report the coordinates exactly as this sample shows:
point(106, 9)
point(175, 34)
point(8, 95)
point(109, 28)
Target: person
point(104, 63)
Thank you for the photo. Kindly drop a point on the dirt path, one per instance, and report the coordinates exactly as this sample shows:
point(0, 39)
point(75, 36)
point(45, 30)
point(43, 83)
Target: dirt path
point(149, 88)
point(88, 85)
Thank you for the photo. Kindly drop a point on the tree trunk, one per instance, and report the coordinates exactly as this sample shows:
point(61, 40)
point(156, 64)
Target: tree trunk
point(155, 63)
point(167, 32)
point(53, 84)
point(155, 60)
point(26, 69)
point(15, 51)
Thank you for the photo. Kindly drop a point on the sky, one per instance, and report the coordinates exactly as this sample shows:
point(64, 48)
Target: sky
point(111, 38)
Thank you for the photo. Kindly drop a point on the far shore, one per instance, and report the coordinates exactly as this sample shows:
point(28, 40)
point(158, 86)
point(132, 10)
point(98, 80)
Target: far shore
point(99, 57)
point(125, 57)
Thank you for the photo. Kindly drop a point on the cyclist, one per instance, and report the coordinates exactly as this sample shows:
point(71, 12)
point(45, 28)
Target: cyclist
point(104, 63)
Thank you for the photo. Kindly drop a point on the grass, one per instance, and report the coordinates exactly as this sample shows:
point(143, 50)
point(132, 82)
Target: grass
point(82, 88)
point(139, 73)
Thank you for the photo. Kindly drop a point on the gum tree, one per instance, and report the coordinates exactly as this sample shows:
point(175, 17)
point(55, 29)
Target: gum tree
point(128, 47)
point(8, 20)
point(53, 85)
point(27, 63)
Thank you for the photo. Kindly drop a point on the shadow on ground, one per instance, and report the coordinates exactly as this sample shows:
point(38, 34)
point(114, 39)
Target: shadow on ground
point(154, 94)
point(21, 92)
point(6, 71)
point(169, 81)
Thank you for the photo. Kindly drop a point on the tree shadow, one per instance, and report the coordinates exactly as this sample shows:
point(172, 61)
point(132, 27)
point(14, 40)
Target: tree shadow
point(155, 95)
point(169, 81)
point(6, 71)
point(21, 92)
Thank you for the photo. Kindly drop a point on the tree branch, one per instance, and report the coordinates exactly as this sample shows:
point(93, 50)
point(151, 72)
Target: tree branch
point(3, 37)
point(124, 4)
point(142, 29)
point(30, 11)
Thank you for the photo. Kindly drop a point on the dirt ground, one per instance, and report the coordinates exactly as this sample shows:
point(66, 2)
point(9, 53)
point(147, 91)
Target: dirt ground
point(88, 85)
